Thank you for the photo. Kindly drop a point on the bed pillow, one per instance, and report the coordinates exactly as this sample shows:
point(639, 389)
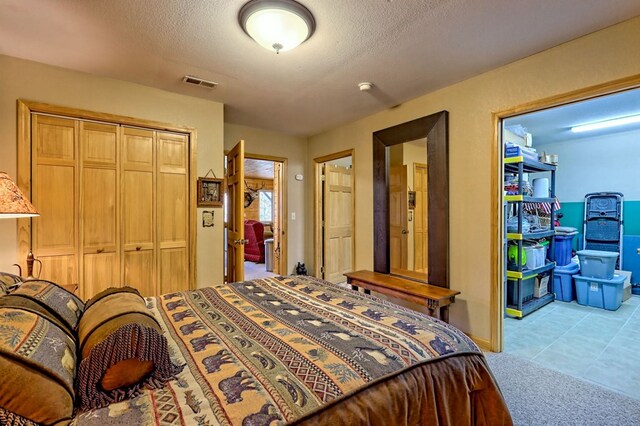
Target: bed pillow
point(37, 367)
point(66, 306)
point(122, 349)
point(7, 281)
point(25, 304)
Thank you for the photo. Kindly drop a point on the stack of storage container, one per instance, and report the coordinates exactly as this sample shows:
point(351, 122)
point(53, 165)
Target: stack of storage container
point(565, 269)
point(597, 285)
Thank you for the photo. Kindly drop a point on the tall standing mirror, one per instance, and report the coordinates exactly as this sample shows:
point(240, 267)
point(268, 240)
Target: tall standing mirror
point(411, 199)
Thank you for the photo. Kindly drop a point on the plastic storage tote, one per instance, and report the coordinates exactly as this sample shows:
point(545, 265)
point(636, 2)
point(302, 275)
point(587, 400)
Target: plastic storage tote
point(597, 264)
point(563, 282)
point(535, 256)
point(564, 244)
point(527, 290)
point(600, 293)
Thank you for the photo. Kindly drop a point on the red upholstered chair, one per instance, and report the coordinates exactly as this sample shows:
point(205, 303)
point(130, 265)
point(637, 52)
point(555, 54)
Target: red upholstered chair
point(254, 249)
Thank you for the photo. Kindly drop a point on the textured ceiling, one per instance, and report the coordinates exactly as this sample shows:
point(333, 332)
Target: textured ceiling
point(405, 47)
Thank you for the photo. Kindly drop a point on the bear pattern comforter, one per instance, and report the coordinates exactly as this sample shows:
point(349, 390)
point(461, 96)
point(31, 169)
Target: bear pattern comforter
point(289, 349)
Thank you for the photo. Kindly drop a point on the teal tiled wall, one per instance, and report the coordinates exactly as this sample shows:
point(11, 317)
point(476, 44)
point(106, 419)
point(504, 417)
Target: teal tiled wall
point(574, 216)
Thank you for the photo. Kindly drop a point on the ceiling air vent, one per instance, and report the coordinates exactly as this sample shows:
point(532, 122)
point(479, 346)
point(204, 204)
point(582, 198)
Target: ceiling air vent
point(199, 81)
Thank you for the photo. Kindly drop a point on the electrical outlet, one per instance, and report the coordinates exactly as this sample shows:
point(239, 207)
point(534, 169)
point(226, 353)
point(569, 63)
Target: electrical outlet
point(293, 215)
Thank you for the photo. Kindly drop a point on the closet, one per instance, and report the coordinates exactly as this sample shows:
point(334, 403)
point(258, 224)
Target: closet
point(113, 203)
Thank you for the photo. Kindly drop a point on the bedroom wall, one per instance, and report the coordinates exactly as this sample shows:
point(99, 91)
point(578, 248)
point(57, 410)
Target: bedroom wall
point(20, 79)
point(264, 142)
point(597, 58)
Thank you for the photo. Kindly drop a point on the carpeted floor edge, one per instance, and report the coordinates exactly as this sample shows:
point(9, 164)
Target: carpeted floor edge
point(539, 396)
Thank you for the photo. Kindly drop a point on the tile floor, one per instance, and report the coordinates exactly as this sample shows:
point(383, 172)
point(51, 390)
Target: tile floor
point(589, 343)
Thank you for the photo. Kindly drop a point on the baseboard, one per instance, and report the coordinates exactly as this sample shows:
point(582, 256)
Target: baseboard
point(483, 344)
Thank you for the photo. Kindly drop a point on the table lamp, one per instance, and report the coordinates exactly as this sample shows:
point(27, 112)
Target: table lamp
point(13, 205)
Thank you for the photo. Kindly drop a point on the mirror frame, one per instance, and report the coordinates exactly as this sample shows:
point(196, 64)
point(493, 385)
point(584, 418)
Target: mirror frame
point(435, 128)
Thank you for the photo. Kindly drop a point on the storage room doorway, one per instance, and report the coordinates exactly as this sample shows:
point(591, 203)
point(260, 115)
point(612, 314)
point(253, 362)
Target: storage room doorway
point(572, 238)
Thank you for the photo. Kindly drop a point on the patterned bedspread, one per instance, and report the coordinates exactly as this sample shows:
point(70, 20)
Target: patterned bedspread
point(271, 350)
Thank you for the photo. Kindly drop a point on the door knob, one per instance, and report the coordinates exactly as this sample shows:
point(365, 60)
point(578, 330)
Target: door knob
point(404, 231)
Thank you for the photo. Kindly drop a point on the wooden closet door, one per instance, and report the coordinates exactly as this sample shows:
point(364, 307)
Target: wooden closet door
point(99, 207)
point(173, 212)
point(55, 197)
point(138, 210)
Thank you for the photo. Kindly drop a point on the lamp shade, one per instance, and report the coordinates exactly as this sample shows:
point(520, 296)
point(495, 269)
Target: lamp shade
point(277, 25)
point(13, 203)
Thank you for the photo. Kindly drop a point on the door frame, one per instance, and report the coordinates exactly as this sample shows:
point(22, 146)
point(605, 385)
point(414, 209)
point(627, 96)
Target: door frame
point(318, 198)
point(25, 108)
point(284, 239)
point(497, 176)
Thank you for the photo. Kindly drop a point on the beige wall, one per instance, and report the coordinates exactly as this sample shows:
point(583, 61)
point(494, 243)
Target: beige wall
point(594, 59)
point(263, 142)
point(21, 79)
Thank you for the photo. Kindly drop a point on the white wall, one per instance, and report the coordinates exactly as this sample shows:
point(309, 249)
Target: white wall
point(20, 79)
point(605, 163)
point(294, 149)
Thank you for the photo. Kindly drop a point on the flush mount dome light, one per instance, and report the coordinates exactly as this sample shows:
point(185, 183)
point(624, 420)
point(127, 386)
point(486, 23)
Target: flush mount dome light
point(277, 25)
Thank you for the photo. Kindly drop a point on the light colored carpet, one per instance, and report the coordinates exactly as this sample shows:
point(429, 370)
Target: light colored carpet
point(256, 270)
point(540, 396)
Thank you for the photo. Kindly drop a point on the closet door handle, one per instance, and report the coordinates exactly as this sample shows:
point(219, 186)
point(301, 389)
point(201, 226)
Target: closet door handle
point(100, 250)
point(138, 248)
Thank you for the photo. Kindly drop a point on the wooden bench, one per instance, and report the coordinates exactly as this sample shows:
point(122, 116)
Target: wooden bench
point(434, 297)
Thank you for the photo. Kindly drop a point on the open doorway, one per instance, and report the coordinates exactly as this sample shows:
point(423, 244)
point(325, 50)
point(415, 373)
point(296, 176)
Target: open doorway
point(571, 202)
point(334, 216)
point(265, 216)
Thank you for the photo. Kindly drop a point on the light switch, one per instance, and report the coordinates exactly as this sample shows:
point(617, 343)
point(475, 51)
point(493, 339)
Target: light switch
point(293, 215)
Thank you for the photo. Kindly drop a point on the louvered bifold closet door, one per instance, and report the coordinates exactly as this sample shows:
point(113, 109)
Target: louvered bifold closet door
point(173, 211)
point(99, 207)
point(138, 210)
point(54, 153)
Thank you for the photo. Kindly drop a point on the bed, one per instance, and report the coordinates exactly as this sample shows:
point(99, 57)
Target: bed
point(303, 351)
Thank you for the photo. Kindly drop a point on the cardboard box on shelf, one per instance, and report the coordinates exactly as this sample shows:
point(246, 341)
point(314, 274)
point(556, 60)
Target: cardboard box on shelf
point(541, 286)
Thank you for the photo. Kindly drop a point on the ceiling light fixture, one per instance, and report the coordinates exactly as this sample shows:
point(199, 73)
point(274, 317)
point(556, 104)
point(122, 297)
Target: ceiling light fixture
point(607, 123)
point(277, 25)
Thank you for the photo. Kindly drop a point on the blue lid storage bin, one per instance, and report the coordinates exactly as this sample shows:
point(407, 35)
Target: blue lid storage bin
point(527, 290)
point(600, 293)
point(562, 251)
point(597, 264)
point(563, 282)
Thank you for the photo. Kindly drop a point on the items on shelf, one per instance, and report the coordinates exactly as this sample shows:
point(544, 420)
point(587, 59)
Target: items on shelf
point(513, 150)
point(530, 231)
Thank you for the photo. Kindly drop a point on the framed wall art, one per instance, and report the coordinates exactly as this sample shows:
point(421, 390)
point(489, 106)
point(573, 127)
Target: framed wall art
point(412, 200)
point(210, 192)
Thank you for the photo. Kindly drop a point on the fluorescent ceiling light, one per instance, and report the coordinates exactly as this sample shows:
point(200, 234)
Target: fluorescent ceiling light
point(277, 25)
point(605, 124)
